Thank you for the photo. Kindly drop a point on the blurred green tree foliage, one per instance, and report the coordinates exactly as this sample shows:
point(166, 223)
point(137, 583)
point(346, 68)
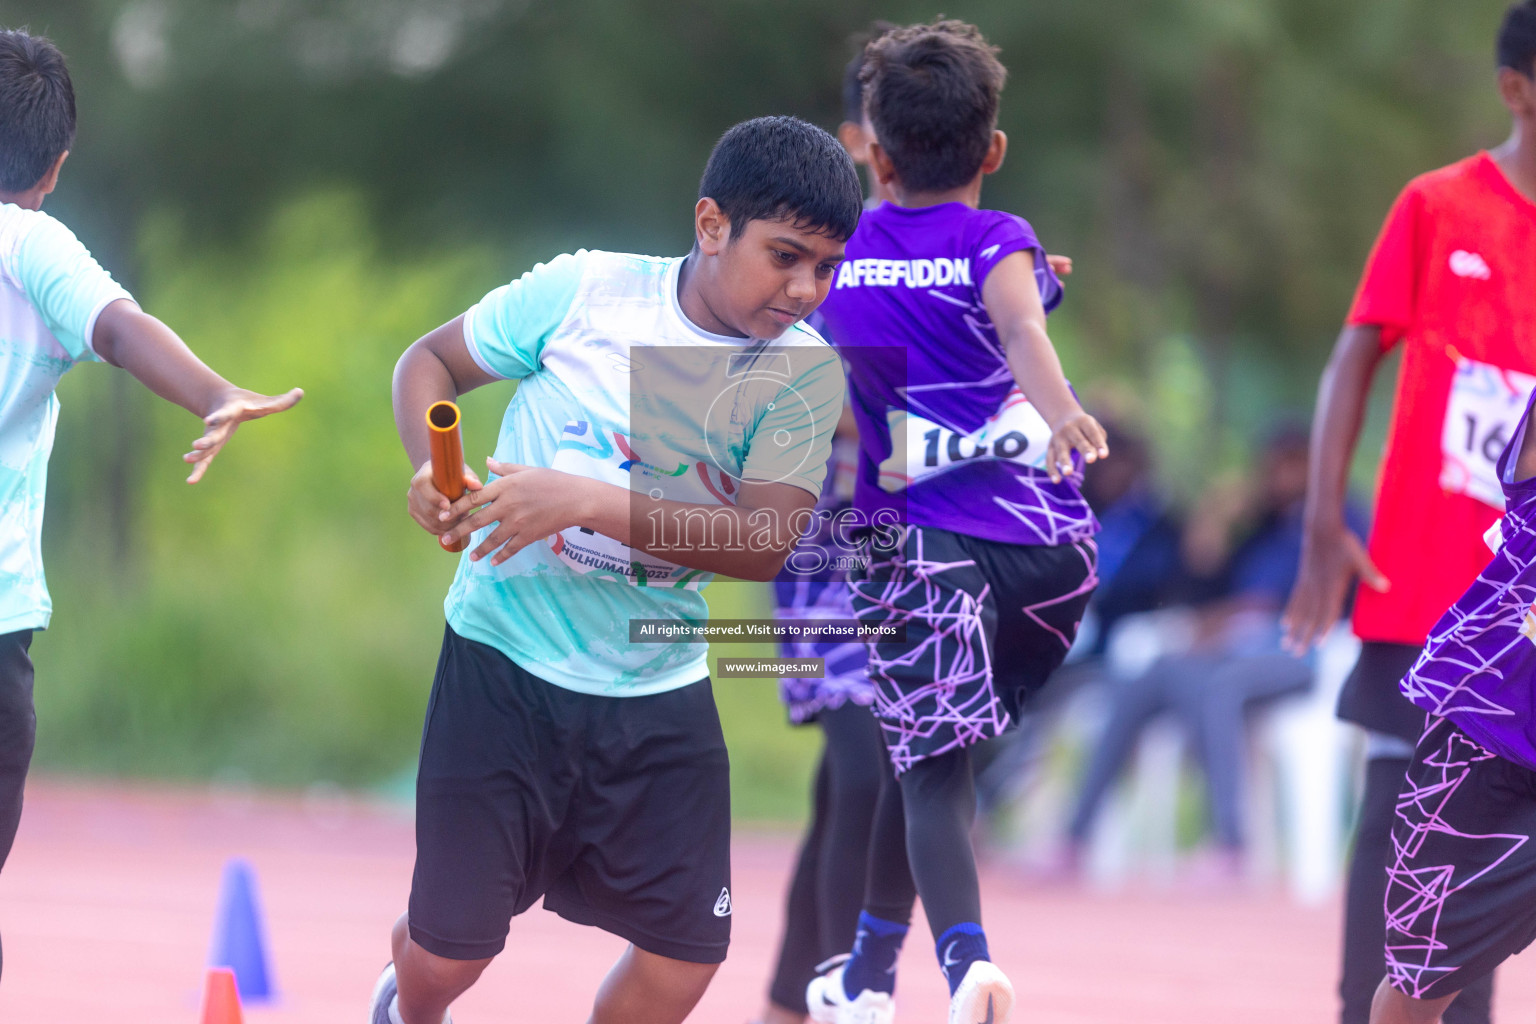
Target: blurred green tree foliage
point(281, 616)
point(303, 186)
point(1216, 165)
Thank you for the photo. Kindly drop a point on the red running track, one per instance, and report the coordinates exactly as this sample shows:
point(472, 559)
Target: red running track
point(107, 909)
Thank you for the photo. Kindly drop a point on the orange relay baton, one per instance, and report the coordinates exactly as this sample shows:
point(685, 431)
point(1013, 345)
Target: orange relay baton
point(447, 445)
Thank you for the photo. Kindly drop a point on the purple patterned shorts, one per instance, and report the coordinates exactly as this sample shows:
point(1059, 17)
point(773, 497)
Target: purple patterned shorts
point(847, 662)
point(986, 625)
point(1461, 876)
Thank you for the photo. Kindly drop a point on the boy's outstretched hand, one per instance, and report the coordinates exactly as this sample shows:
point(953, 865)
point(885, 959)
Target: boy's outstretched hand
point(128, 337)
point(1080, 432)
point(237, 406)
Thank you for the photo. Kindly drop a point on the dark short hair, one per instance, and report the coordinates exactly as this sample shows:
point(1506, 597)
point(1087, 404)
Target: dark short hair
point(853, 85)
point(1517, 39)
point(931, 92)
point(772, 168)
point(37, 108)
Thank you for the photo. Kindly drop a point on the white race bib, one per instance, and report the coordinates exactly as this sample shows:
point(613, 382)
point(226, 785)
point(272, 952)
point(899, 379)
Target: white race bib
point(1482, 415)
point(920, 447)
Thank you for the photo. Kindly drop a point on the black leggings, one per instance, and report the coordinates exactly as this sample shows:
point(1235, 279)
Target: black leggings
point(18, 730)
point(922, 844)
point(822, 910)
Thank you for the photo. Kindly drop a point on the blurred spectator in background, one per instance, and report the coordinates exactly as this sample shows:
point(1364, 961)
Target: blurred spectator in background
point(1235, 564)
point(1138, 542)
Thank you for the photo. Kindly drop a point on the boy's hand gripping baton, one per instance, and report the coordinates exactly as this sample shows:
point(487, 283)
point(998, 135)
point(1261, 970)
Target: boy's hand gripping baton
point(447, 457)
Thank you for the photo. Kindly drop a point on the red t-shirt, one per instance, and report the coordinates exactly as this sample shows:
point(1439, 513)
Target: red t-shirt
point(1453, 278)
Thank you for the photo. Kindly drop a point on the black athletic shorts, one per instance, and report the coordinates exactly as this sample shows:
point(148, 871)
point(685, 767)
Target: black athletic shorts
point(1461, 876)
point(985, 623)
point(1371, 697)
point(616, 810)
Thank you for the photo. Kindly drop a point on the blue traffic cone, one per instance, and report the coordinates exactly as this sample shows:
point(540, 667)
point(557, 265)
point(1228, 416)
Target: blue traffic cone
point(239, 937)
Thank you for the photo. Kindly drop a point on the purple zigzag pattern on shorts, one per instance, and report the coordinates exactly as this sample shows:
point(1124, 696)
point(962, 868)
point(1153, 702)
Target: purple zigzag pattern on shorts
point(1417, 895)
point(1089, 550)
point(959, 654)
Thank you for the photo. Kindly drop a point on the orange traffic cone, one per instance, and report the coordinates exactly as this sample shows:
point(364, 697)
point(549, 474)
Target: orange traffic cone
point(221, 999)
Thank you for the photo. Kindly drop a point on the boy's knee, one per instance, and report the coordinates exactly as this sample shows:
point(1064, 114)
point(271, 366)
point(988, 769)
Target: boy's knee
point(430, 971)
point(679, 978)
point(937, 777)
point(693, 977)
point(426, 978)
point(645, 988)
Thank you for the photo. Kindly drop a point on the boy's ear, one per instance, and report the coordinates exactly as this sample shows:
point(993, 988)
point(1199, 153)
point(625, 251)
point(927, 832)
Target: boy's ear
point(997, 150)
point(711, 227)
point(851, 135)
point(1518, 92)
point(880, 163)
point(49, 181)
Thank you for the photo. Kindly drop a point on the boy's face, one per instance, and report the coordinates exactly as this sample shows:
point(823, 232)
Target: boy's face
point(769, 276)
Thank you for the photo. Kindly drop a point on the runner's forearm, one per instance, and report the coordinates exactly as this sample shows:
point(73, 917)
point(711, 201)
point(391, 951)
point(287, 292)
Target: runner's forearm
point(1341, 400)
point(1037, 371)
point(127, 337)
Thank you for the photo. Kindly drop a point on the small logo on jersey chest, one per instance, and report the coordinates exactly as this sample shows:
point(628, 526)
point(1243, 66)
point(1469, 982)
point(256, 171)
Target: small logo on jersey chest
point(1469, 264)
point(723, 904)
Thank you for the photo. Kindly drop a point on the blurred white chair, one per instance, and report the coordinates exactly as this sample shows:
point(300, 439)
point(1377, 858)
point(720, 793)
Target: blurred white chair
point(1304, 770)
point(1136, 832)
point(1301, 768)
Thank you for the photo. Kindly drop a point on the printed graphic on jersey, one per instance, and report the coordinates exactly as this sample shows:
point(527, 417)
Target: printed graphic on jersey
point(1469, 264)
point(597, 454)
point(934, 273)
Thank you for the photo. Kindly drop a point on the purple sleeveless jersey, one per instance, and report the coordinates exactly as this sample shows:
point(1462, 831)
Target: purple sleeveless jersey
point(1479, 667)
point(946, 438)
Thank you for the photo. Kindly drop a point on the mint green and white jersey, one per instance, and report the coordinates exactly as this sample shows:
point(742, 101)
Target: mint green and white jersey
point(616, 384)
point(51, 292)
